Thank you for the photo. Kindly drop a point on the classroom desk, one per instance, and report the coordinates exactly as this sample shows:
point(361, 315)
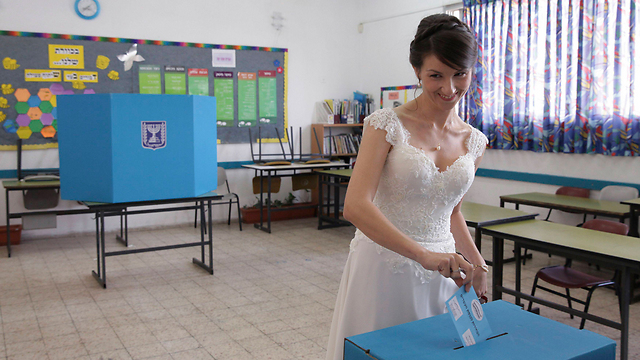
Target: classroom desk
point(569, 203)
point(634, 204)
point(283, 171)
point(476, 215)
point(333, 180)
point(103, 210)
point(10, 186)
point(613, 251)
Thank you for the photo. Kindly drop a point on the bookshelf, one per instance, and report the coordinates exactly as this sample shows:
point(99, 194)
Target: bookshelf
point(343, 138)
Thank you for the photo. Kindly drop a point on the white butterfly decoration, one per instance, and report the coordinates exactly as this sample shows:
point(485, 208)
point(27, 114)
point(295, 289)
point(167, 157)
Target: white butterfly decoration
point(130, 57)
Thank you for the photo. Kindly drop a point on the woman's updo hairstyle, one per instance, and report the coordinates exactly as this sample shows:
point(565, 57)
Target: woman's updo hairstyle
point(446, 37)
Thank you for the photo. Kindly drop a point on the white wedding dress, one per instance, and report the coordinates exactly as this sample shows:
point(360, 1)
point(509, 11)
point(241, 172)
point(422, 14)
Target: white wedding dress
point(380, 288)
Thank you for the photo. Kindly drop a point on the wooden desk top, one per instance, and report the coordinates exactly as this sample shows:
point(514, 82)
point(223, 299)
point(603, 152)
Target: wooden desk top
point(482, 215)
point(573, 203)
point(633, 202)
point(340, 172)
point(577, 238)
point(34, 184)
point(295, 166)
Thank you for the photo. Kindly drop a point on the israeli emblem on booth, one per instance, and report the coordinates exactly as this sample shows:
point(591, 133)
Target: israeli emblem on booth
point(154, 134)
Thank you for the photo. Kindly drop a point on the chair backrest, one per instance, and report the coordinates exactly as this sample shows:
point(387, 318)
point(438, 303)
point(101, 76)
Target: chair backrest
point(618, 193)
point(222, 177)
point(573, 191)
point(609, 226)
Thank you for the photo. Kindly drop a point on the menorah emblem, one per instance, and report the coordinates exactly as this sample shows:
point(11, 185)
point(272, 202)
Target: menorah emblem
point(154, 134)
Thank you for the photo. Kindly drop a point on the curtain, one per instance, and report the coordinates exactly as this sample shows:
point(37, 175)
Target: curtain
point(556, 75)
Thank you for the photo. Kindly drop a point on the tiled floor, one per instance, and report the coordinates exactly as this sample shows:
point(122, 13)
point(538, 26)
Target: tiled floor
point(271, 297)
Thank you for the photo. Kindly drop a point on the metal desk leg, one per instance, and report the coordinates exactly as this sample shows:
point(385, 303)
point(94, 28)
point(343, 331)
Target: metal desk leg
point(269, 202)
point(320, 200)
point(498, 253)
point(6, 200)
point(516, 253)
point(208, 223)
point(335, 182)
point(625, 295)
point(635, 212)
point(101, 277)
point(124, 228)
point(260, 225)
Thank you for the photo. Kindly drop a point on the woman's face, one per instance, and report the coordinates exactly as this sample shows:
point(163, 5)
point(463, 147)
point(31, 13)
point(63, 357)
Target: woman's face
point(441, 84)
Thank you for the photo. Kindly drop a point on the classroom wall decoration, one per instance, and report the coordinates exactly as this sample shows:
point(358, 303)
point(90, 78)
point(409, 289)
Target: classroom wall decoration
point(249, 82)
point(394, 96)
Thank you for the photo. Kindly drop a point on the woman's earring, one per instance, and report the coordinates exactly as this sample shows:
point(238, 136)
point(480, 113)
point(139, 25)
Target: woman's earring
point(419, 83)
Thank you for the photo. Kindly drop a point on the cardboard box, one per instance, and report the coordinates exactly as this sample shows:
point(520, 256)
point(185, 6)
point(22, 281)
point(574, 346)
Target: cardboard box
point(526, 336)
point(136, 147)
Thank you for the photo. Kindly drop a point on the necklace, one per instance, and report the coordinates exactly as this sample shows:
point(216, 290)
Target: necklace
point(441, 135)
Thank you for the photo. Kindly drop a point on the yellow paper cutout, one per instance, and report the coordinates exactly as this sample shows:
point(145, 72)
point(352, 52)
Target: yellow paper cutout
point(102, 62)
point(10, 64)
point(78, 85)
point(2, 116)
point(7, 89)
point(40, 75)
point(54, 101)
point(84, 76)
point(3, 103)
point(66, 56)
point(113, 75)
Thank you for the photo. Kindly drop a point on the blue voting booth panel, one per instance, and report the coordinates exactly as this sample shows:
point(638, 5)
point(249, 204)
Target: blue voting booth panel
point(528, 336)
point(136, 147)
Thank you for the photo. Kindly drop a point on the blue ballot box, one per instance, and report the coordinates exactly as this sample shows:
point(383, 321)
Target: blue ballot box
point(136, 147)
point(522, 336)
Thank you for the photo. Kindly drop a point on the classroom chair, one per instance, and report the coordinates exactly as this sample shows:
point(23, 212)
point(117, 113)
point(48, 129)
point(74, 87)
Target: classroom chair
point(227, 198)
point(566, 277)
point(571, 191)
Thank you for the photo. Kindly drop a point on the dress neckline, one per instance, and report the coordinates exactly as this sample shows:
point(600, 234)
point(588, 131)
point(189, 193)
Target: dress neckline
point(406, 138)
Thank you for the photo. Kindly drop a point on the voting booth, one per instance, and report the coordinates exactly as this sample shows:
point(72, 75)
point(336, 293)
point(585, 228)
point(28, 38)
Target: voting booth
point(136, 147)
point(518, 334)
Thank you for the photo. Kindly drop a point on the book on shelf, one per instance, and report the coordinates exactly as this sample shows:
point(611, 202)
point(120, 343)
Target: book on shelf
point(342, 144)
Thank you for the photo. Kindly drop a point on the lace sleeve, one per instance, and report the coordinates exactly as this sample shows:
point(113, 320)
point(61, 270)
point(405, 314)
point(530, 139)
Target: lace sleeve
point(384, 119)
point(477, 143)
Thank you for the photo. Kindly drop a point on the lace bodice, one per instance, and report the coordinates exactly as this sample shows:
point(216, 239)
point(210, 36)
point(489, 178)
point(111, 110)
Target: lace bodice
point(414, 195)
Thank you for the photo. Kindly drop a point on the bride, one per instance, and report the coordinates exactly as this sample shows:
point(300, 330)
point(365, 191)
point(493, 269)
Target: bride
point(415, 164)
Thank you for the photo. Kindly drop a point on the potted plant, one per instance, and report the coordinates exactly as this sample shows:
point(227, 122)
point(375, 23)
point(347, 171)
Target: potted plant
point(286, 210)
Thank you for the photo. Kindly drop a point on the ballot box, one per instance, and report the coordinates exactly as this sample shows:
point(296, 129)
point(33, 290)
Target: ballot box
point(518, 334)
point(136, 147)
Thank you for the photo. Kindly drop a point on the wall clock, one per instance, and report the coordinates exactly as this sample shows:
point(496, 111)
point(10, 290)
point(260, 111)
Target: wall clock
point(87, 9)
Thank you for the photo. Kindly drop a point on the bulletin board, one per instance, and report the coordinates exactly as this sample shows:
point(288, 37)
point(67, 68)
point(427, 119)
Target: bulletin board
point(249, 82)
point(394, 96)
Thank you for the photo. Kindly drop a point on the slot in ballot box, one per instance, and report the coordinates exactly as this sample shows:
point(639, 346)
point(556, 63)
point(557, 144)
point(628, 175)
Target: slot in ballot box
point(136, 147)
point(525, 336)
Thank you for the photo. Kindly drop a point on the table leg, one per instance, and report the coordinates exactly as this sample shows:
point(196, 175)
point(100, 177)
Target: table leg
point(498, 253)
point(101, 277)
point(123, 237)
point(269, 202)
point(335, 182)
point(6, 200)
point(633, 222)
point(260, 225)
point(516, 255)
point(209, 224)
point(320, 200)
point(625, 294)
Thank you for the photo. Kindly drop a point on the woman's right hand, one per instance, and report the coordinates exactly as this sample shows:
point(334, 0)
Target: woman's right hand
point(449, 265)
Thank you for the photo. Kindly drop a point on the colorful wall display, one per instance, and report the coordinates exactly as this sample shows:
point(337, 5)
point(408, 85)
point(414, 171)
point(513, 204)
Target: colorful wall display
point(223, 91)
point(247, 101)
point(59, 64)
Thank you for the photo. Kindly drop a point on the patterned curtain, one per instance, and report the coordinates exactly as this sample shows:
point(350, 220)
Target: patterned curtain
point(556, 75)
